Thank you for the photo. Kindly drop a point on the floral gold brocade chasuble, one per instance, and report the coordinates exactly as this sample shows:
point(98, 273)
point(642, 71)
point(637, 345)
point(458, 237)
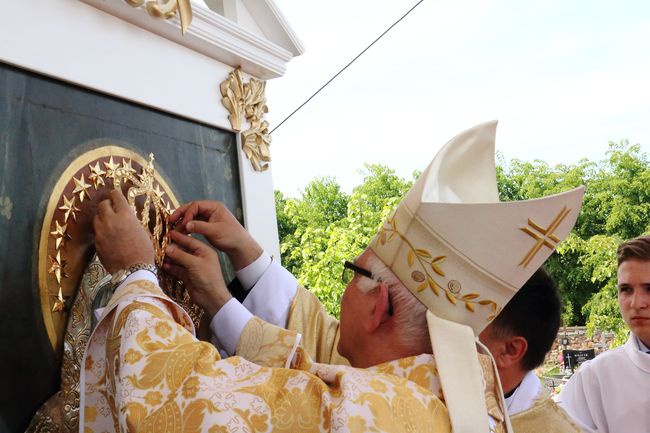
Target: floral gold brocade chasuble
point(145, 371)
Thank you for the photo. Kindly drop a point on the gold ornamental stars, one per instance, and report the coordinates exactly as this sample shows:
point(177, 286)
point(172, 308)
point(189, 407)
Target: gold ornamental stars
point(96, 175)
point(69, 208)
point(59, 234)
point(59, 303)
point(58, 267)
point(121, 174)
point(111, 167)
point(81, 188)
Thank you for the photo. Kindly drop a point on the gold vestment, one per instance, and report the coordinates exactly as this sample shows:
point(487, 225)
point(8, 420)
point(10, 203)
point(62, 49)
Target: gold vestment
point(145, 371)
point(544, 416)
point(319, 330)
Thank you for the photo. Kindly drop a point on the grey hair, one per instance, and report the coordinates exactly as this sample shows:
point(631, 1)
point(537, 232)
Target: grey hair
point(408, 312)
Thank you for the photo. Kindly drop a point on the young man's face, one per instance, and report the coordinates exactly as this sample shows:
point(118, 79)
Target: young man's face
point(634, 297)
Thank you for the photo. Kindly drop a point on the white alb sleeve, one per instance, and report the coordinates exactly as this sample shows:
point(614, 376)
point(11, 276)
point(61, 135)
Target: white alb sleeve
point(227, 326)
point(271, 297)
point(251, 274)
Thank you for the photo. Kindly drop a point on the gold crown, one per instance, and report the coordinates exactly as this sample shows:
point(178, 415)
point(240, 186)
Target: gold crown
point(143, 186)
point(142, 191)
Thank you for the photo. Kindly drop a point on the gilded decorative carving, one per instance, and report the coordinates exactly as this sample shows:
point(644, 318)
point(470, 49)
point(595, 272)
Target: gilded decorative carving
point(248, 101)
point(166, 9)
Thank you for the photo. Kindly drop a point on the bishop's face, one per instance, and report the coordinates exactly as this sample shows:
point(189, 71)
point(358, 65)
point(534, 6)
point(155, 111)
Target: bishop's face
point(354, 309)
point(634, 297)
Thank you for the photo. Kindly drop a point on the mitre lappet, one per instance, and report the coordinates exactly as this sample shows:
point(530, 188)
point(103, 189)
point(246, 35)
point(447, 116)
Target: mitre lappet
point(464, 254)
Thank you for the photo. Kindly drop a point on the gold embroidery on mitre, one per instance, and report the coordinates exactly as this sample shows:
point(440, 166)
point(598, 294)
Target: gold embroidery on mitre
point(547, 238)
point(424, 261)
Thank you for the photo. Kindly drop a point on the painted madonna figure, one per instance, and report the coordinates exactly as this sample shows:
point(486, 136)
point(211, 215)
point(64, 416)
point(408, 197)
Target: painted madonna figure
point(446, 262)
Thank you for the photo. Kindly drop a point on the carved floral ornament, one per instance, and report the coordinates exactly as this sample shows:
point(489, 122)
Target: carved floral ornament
point(166, 9)
point(248, 101)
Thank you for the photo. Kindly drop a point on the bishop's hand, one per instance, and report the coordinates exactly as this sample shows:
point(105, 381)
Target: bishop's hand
point(120, 239)
point(214, 221)
point(197, 265)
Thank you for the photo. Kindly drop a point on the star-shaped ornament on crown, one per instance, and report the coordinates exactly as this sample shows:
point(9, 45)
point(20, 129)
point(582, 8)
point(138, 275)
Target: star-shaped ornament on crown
point(96, 175)
point(159, 194)
point(59, 303)
point(58, 267)
point(81, 188)
point(110, 168)
point(60, 235)
point(126, 166)
point(168, 209)
point(69, 208)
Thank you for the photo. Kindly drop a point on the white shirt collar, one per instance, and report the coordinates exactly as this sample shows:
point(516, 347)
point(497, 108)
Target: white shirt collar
point(525, 394)
point(642, 347)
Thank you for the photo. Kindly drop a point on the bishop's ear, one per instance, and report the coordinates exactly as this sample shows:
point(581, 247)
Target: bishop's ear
point(380, 311)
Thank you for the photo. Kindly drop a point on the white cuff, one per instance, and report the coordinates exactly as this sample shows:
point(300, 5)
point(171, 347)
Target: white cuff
point(228, 324)
point(272, 295)
point(251, 274)
point(139, 275)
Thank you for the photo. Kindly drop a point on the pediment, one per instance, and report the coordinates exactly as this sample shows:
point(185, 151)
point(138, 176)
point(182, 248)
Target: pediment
point(252, 34)
point(261, 17)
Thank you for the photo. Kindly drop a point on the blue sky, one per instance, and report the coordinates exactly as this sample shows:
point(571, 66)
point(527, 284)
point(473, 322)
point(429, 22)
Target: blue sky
point(562, 77)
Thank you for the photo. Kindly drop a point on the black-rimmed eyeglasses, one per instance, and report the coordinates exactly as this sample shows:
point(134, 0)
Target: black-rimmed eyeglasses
point(349, 269)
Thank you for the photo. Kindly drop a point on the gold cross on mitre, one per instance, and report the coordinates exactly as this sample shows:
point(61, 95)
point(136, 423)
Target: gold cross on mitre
point(544, 236)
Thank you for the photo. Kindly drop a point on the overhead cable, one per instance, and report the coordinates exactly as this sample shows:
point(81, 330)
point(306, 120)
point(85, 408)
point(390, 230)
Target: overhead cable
point(346, 66)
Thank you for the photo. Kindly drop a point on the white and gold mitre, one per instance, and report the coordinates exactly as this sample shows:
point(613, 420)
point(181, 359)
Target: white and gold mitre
point(462, 252)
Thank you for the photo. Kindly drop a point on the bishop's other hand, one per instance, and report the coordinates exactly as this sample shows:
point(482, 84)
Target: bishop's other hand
point(197, 265)
point(213, 220)
point(120, 239)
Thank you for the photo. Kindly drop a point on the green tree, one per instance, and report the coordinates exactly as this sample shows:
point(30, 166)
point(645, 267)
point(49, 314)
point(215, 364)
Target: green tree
point(286, 226)
point(329, 227)
point(325, 226)
point(616, 206)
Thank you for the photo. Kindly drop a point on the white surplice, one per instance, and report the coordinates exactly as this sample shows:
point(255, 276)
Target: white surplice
point(525, 395)
point(611, 393)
